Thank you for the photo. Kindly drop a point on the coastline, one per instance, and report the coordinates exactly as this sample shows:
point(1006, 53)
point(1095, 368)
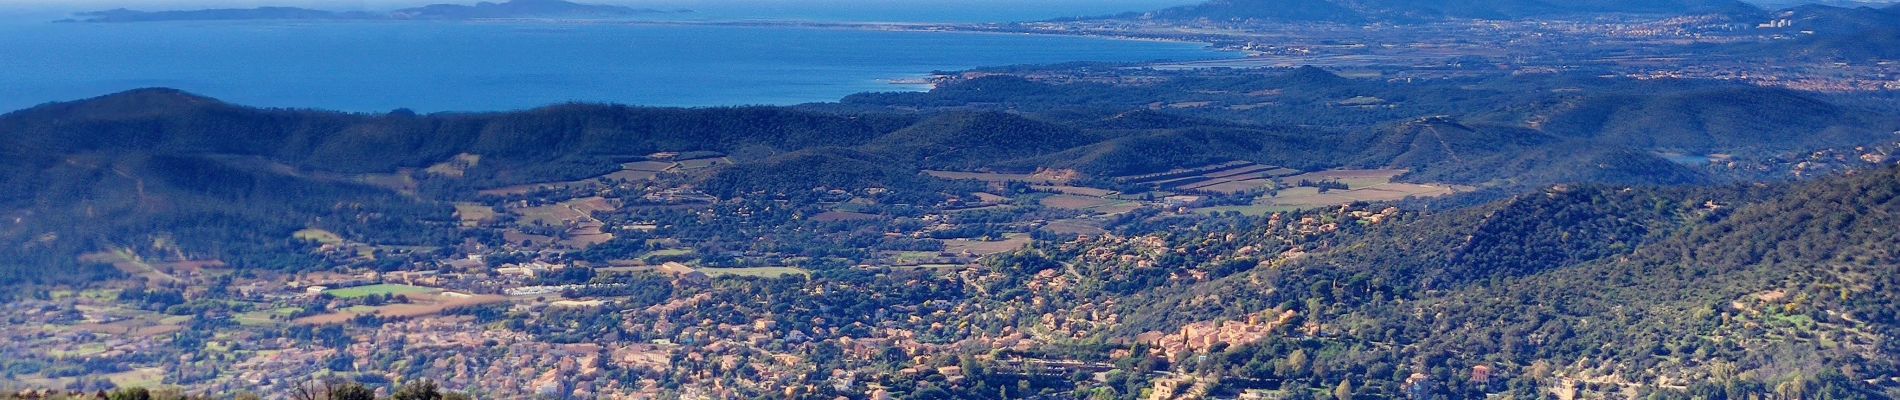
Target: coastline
point(931, 81)
point(917, 57)
point(973, 28)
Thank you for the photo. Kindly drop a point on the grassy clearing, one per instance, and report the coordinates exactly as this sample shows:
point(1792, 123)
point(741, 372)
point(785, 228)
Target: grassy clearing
point(1797, 321)
point(549, 215)
point(630, 176)
point(649, 166)
point(319, 236)
point(704, 163)
point(82, 350)
point(128, 262)
point(474, 214)
point(382, 289)
point(142, 377)
point(456, 167)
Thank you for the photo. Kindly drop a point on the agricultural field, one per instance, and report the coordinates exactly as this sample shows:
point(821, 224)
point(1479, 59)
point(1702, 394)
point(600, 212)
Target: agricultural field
point(135, 323)
point(1362, 185)
point(434, 304)
point(1355, 178)
point(983, 248)
point(703, 163)
point(559, 214)
point(1225, 178)
point(421, 304)
point(633, 172)
point(319, 236)
point(586, 235)
point(1074, 202)
point(1074, 190)
point(1075, 226)
point(576, 215)
point(472, 214)
point(1239, 186)
point(386, 289)
point(991, 198)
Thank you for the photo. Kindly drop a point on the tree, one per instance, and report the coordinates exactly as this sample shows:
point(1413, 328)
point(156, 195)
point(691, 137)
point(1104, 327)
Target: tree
point(1295, 364)
point(333, 390)
point(418, 390)
point(1344, 391)
point(352, 391)
point(136, 393)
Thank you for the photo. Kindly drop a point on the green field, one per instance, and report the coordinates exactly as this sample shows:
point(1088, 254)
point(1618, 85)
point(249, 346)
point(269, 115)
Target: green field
point(667, 255)
point(382, 289)
point(319, 236)
point(82, 350)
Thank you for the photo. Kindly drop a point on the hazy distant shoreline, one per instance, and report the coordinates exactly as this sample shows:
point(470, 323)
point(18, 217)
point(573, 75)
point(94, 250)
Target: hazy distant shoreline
point(998, 29)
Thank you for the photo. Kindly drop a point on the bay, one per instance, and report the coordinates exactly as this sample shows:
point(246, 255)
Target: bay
point(495, 66)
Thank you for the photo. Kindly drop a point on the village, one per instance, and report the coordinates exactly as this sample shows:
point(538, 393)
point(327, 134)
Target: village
point(613, 257)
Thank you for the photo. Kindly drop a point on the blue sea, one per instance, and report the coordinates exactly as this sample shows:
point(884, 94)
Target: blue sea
point(493, 66)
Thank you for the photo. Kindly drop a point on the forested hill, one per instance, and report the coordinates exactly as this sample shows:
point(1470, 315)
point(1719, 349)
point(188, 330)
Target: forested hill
point(1408, 10)
point(1725, 290)
point(233, 182)
point(1839, 33)
point(113, 171)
